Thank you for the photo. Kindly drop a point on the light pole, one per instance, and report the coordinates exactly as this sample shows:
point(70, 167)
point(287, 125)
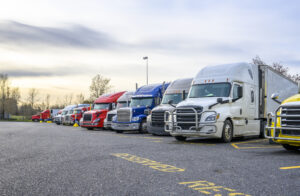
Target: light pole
point(146, 58)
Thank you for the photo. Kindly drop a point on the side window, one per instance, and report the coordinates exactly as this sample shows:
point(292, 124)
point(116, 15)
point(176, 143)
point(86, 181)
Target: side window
point(252, 96)
point(157, 101)
point(235, 93)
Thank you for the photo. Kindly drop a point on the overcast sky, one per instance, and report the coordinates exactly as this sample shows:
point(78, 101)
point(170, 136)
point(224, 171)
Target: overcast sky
point(59, 45)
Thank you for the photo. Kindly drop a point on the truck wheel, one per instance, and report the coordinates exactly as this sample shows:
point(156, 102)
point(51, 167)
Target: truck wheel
point(180, 138)
point(143, 126)
point(227, 133)
point(90, 128)
point(119, 131)
point(290, 148)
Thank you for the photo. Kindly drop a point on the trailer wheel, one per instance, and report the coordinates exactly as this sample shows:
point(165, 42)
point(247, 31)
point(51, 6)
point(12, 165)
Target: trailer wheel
point(290, 148)
point(143, 127)
point(90, 128)
point(180, 138)
point(227, 133)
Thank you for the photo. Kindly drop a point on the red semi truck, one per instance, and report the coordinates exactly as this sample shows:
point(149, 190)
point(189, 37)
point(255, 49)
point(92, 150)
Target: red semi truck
point(77, 114)
point(95, 118)
point(45, 115)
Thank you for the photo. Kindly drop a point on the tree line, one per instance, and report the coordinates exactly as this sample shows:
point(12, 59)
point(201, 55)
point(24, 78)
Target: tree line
point(34, 102)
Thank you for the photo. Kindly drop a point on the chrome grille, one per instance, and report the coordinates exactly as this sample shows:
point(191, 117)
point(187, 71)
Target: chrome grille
point(290, 118)
point(87, 117)
point(157, 118)
point(123, 115)
point(67, 118)
point(186, 117)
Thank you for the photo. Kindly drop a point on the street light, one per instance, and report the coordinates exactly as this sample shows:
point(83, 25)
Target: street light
point(146, 58)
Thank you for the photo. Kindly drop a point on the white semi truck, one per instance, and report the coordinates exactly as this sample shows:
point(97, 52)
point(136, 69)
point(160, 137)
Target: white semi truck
point(176, 92)
point(227, 101)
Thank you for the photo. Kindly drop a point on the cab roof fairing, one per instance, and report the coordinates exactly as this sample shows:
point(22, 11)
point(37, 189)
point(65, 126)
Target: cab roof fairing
point(235, 72)
point(109, 98)
point(179, 85)
point(126, 96)
point(151, 90)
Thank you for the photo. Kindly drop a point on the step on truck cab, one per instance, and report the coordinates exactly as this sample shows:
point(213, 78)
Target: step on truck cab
point(134, 117)
point(227, 101)
point(284, 124)
point(122, 102)
point(176, 92)
point(95, 118)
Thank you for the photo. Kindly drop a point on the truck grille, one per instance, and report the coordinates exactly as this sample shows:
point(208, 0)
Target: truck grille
point(186, 117)
point(109, 117)
point(67, 118)
point(87, 117)
point(157, 118)
point(290, 120)
point(123, 115)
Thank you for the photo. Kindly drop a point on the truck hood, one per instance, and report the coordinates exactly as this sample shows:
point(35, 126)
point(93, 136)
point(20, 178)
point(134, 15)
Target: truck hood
point(203, 102)
point(163, 107)
point(295, 98)
point(135, 110)
point(112, 112)
point(95, 111)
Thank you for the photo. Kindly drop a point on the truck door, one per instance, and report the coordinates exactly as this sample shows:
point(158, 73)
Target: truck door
point(237, 110)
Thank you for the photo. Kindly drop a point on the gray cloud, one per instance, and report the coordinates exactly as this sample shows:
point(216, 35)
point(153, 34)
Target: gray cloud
point(72, 36)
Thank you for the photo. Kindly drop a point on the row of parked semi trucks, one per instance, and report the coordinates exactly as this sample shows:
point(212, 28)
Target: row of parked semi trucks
point(223, 101)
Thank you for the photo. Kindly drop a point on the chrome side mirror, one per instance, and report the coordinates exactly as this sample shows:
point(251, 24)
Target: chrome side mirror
point(275, 96)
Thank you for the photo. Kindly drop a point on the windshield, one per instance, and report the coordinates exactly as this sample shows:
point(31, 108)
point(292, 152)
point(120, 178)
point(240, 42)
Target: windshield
point(122, 104)
point(139, 102)
point(101, 106)
point(64, 112)
point(210, 90)
point(70, 112)
point(176, 98)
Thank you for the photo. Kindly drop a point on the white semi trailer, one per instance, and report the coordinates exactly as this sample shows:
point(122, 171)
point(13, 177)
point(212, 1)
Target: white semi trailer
point(227, 101)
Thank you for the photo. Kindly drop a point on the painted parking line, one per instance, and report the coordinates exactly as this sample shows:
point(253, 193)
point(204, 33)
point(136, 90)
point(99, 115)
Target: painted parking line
point(241, 145)
point(210, 188)
point(290, 167)
point(147, 162)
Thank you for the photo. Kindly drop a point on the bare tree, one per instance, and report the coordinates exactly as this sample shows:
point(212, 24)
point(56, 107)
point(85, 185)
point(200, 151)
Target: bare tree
point(280, 68)
point(79, 98)
point(47, 101)
point(32, 97)
point(99, 86)
point(3, 93)
point(67, 99)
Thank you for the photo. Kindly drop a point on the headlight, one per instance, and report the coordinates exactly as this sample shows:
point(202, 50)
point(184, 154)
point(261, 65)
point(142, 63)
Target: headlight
point(136, 118)
point(149, 118)
point(211, 118)
point(97, 120)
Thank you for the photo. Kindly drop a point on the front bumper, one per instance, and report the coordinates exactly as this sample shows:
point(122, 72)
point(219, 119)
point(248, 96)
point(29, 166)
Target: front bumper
point(107, 124)
point(213, 130)
point(90, 124)
point(125, 126)
point(156, 130)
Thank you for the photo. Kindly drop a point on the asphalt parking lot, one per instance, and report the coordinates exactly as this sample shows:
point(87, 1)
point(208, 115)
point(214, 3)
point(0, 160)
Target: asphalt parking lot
point(47, 159)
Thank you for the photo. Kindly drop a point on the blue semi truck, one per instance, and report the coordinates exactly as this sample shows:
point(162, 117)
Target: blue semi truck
point(134, 117)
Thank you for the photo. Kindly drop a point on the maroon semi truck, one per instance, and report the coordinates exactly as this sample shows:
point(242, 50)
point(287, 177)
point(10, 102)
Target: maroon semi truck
point(95, 118)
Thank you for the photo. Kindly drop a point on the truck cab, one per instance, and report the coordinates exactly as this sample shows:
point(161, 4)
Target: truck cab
point(176, 92)
point(61, 119)
point(122, 102)
point(70, 116)
point(78, 113)
point(227, 101)
point(134, 117)
point(284, 124)
point(95, 118)
point(57, 117)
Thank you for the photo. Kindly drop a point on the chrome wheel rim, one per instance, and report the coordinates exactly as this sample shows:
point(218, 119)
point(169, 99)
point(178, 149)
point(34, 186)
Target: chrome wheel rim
point(227, 131)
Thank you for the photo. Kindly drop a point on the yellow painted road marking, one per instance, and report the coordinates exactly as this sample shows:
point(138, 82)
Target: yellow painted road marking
point(152, 164)
point(236, 144)
point(155, 138)
point(209, 188)
point(291, 167)
point(157, 141)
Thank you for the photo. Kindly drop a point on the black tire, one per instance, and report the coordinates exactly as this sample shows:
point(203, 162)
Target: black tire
point(143, 126)
point(271, 141)
point(119, 131)
point(180, 138)
point(90, 128)
point(290, 148)
point(227, 133)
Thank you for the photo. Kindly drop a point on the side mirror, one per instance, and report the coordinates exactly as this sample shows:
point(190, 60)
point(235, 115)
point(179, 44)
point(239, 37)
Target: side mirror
point(147, 106)
point(275, 96)
point(183, 95)
point(240, 92)
point(170, 102)
point(220, 100)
